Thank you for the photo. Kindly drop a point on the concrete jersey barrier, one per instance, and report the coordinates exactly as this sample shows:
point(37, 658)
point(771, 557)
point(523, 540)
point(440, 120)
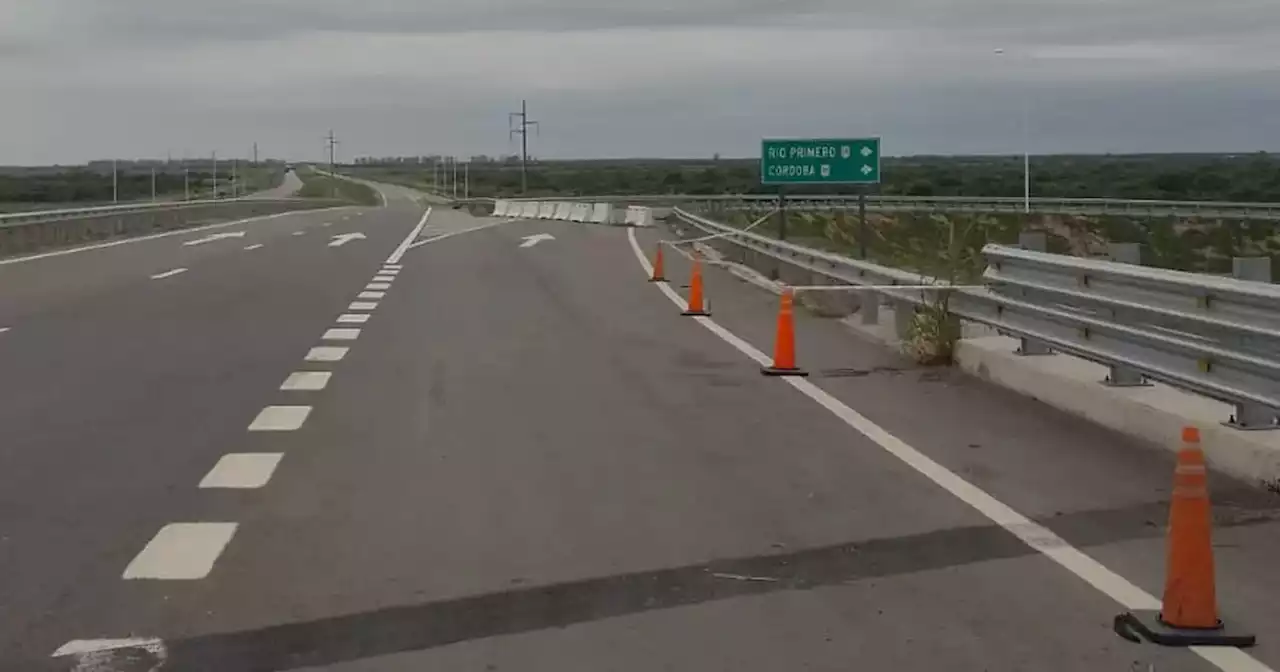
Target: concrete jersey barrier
point(562, 211)
point(530, 210)
point(579, 212)
point(500, 208)
point(638, 215)
point(601, 213)
point(546, 210)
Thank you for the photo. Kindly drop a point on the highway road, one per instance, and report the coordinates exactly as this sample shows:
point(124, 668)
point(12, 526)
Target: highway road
point(407, 439)
point(288, 187)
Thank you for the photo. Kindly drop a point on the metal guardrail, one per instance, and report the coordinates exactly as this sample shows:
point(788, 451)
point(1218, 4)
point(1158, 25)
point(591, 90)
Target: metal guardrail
point(1215, 337)
point(1039, 205)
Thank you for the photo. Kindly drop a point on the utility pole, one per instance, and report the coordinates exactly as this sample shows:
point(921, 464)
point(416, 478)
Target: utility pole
point(522, 129)
point(234, 187)
point(255, 153)
point(466, 180)
point(455, 177)
point(333, 143)
point(153, 184)
point(215, 176)
point(186, 181)
point(115, 183)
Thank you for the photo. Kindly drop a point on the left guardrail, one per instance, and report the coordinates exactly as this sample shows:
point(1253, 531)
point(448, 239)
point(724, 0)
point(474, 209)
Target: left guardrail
point(26, 232)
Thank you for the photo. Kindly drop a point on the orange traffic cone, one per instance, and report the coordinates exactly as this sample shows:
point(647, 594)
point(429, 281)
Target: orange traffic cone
point(696, 301)
point(659, 268)
point(1188, 614)
point(784, 343)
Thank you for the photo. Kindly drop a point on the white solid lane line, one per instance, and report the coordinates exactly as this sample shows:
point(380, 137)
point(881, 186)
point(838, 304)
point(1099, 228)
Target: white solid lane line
point(353, 318)
point(404, 245)
point(168, 274)
point(327, 354)
point(280, 419)
point(181, 551)
point(242, 471)
point(254, 246)
point(1035, 535)
point(371, 295)
point(355, 305)
point(378, 286)
point(341, 335)
point(445, 236)
point(306, 381)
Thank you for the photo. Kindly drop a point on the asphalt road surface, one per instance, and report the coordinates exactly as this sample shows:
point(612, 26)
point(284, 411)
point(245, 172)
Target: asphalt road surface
point(397, 439)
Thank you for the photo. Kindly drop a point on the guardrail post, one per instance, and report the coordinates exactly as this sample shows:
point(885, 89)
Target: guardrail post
point(1256, 269)
point(1123, 376)
point(1036, 241)
point(904, 314)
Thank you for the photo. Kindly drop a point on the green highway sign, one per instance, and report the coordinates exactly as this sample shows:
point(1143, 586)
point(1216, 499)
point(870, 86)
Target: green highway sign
point(807, 161)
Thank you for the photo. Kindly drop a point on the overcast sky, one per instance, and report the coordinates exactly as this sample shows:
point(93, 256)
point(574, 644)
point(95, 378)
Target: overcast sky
point(89, 79)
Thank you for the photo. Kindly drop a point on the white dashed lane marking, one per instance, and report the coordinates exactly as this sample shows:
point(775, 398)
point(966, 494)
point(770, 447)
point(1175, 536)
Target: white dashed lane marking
point(306, 381)
point(253, 247)
point(280, 419)
point(355, 305)
point(371, 295)
point(384, 278)
point(299, 233)
point(242, 470)
point(326, 354)
point(342, 334)
point(394, 267)
point(168, 274)
point(353, 318)
point(181, 551)
point(378, 286)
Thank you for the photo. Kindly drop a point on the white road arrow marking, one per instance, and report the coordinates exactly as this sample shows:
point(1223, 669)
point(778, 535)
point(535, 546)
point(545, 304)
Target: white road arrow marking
point(213, 237)
point(530, 241)
point(344, 238)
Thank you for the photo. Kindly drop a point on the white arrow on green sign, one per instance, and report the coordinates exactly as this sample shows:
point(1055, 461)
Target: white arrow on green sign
point(820, 161)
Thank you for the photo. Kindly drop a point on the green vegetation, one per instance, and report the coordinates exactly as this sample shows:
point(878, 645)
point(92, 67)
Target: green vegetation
point(315, 185)
point(1248, 177)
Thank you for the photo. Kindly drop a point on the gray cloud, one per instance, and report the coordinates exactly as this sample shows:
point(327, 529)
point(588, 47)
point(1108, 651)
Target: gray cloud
point(90, 78)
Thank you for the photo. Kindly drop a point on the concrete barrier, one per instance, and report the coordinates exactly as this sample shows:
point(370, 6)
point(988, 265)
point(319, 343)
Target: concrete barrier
point(546, 210)
point(579, 212)
point(562, 211)
point(638, 215)
point(530, 209)
point(500, 208)
point(601, 213)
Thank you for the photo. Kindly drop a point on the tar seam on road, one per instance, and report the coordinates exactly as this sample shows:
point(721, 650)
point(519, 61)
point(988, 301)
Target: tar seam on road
point(1030, 533)
point(168, 274)
point(418, 627)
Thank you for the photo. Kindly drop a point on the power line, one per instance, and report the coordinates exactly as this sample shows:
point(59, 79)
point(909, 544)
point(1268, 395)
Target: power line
point(522, 129)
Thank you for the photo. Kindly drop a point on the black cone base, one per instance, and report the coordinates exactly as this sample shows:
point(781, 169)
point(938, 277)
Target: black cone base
point(1147, 624)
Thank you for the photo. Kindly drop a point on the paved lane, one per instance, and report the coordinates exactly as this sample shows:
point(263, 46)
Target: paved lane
point(121, 391)
point(526, 459)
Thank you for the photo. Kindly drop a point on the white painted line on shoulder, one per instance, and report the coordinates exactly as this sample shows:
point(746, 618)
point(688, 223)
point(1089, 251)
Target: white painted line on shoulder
point(181, 551)
point(280, 419)
point(378, 286)
point(341, 334)
point(353, 318)
point(299, 233)
point(404, 245)
point(242, 471)
point(1038, 537)
point(371, 295)
point(306, 381)
point(360, 305)
point(255, 246)
point(154, 236)
point(168, 274)
point(327, 354)
point(4, 329)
